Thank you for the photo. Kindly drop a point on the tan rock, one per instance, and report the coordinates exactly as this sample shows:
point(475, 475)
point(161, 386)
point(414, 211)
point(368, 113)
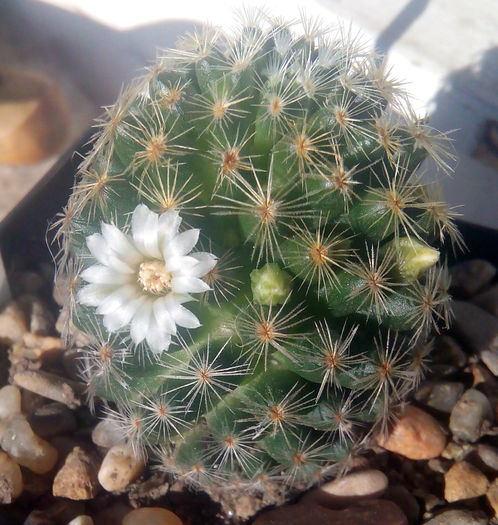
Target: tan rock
point(26, 448)
point(50, 385)
point(151, 516)
point(77, 479)
point(33, 117)
point(10, 401)
point(415, 435)
point(119, 468)
point(464, 481)
point(492, 496)
point(13, 324)
point(11, 483)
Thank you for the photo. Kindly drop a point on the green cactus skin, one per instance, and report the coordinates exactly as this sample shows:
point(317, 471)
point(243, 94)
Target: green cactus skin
point(296, 158)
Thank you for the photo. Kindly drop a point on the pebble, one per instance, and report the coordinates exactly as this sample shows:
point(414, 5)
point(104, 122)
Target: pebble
point(77, 479)
point(475, 327)
point(52, 419)
point(34, 347)
point(406, 501)
point(369, 512)
point(488, 300)
point(457, 451)
point(10, 401)
point(151, 516)
point(106, 434)
point(40, 317)
point(352, 487)
point(11, 482)
point(82, 519)
point(415, 435)
point(469, 277)
point(490, 359)
point(26, 448)
point(13, 324)
point(492, 496)
point(464, 481)
point(459, 517)
point(488, 455)
point(50, 385)
point(119, 468)
point(444, 395)
point(112, 513)
point(471, 416)
point(447, 350)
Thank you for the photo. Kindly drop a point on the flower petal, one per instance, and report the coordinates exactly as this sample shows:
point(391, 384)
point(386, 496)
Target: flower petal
point(120, 244)
point(182, 243)
point(117, 299)
point(144, 227)
point(141, 322)
point(180, 264)
point(120, 317)
point(158, 340)
point(168, 225)
point(94, 294)
point(100, 250)
point(184, 317)
point(207, 261)
point(163, 316)
point(188, 285)
point(99, 274)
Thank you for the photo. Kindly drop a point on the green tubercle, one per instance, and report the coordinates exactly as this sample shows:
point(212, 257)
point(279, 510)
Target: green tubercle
point(270, 285)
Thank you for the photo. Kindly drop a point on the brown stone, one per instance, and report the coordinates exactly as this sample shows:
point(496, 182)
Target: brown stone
point(415, 435)
point(77, 479)
point(369, 512)
point(464, 481)
point(151, 516)
point(492, 496)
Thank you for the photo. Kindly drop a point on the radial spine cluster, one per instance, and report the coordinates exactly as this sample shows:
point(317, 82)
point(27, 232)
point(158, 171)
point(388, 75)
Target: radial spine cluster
point(253, 255)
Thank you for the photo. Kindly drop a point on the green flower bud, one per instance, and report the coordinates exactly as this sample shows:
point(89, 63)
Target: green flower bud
point(270, 284)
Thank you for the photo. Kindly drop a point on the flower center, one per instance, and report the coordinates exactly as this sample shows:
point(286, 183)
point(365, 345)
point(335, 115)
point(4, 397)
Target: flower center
point(154, 278)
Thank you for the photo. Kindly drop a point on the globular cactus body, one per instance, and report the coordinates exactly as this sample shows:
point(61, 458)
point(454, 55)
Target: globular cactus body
point(249, 245)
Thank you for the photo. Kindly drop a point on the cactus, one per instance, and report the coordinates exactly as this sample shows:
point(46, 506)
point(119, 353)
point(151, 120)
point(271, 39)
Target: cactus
point(254, 256)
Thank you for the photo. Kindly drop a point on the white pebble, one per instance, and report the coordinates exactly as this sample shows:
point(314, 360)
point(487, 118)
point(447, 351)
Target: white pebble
point(10, 401)
point(363, 483)
point(26, 448)
point(151, 516)
point(106, 434)
point(119, 468)
point(11, 483)
point(83, 519)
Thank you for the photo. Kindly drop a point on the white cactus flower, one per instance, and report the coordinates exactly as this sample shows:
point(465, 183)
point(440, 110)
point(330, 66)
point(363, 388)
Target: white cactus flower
point(141, 280)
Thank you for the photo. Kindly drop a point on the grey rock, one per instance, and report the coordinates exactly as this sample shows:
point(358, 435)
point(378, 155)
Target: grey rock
point(488, 300)
point(469, 277)
point(475, 327)
point(444, 395)
point(490, 359)
point(52, 419)
point(488, 456)
point(471, 416)
point(448, 351)
point(41, 320)
point(459, 517)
